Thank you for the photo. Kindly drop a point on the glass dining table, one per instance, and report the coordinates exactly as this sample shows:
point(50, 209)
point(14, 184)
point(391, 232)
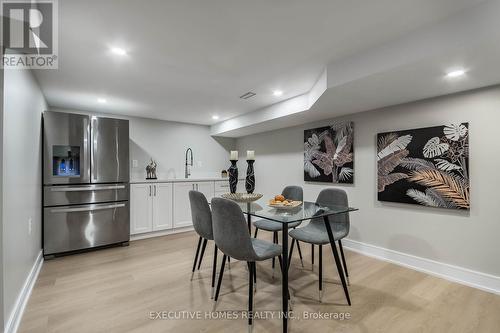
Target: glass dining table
point(306, 211)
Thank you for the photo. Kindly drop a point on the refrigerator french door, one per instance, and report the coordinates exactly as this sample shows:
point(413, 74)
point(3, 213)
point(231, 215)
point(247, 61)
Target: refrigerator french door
point(86, 182)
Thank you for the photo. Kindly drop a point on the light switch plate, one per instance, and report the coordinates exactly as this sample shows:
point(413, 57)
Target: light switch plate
point(135, 163)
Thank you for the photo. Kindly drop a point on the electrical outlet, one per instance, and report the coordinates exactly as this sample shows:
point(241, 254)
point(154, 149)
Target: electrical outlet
point(30, 225)
point(135, 163)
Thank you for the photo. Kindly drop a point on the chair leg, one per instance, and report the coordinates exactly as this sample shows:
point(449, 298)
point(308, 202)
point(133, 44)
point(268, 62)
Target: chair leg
point(214, 269)
point(256, 231)
point(344, 263)
point(196, 257)
point(202, 252)
point(251, 266)
point(320, 272)
point(221, 273)
point(300, 254)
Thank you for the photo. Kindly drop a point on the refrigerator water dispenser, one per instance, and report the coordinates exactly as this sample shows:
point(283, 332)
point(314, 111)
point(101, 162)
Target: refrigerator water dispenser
point(66, 161)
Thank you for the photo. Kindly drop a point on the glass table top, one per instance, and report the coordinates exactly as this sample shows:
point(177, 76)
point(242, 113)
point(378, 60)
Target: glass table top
point(305, 211)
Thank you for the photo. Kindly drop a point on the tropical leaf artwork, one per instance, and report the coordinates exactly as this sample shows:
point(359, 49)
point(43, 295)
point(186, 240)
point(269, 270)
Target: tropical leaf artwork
point(328, 153)
point(425, 166)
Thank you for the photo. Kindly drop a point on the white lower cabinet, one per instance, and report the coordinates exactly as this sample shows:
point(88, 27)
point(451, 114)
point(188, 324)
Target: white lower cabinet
point(162, 206)
point(150, 207)
point(182, 207)
point(141, 208)
point(165, 206)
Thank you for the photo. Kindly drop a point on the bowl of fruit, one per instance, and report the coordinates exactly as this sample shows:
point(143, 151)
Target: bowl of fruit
point(280, 202)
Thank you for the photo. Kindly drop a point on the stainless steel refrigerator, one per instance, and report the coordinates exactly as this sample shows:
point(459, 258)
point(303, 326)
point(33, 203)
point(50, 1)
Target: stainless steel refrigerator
point(85, 182)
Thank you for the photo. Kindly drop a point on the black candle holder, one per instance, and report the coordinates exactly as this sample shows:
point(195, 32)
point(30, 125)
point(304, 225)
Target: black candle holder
point(233, 176)
point(250, 180)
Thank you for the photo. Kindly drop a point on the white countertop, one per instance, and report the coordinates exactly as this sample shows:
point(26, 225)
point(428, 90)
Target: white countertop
point(175, 180)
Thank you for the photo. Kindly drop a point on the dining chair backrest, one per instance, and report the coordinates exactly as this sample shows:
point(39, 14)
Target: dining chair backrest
point(230, 230)
point(201, 215)
point(293, 193)
point(334, 196)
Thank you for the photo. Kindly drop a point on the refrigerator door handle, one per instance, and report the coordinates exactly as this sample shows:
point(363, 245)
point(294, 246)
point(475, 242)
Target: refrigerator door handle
point(86, 143)
point(85, 209)
point(93, 144)
point(81, 189)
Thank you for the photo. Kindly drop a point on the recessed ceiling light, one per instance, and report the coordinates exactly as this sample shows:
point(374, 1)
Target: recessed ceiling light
point(277, 93)
point(101, 100)
point(455, 73)
point(118, 51)
point(215, 117)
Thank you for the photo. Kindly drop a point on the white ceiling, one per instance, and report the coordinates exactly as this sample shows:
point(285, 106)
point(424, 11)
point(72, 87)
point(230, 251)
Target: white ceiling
point(410, 68)
point(188, 60)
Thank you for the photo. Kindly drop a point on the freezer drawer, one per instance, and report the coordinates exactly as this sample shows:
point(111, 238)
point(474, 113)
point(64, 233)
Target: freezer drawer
point(84, 194)
point(71, 228)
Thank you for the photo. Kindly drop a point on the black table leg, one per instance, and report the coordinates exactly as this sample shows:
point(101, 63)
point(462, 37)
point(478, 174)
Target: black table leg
point(284, 279)
point(337, 259)
point(249, 220)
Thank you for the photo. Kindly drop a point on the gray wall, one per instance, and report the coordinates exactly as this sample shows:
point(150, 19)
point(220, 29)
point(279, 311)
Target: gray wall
point(167, 141)
point(23, 106)
point(465, 239)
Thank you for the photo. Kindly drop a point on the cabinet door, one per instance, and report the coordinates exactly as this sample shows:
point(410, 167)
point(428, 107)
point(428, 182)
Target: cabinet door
point(141, 208)
point(182, 208)
point(162, 206)
point(207, 188)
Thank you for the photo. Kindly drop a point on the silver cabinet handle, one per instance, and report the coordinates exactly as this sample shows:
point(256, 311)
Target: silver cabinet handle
point(85, 209)
point(149, 190)
point(197, 187)
point(155, 189)
point(82, 189)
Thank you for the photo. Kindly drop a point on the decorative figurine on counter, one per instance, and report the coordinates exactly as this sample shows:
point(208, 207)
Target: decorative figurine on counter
point(223, 174)
point(151, 170)
point(233, 172)
point(250, 180)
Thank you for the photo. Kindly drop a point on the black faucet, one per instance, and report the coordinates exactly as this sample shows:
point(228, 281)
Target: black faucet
point(187, 172)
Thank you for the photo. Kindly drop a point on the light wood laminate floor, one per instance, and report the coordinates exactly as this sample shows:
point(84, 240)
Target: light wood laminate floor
point(114, 290)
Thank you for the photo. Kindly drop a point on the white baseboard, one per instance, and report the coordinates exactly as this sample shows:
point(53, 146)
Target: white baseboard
point(22, 299)
point(160, 233)
point(483, 281)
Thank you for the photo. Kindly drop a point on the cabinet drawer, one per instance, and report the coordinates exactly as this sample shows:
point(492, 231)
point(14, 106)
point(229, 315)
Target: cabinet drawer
point(222, 186)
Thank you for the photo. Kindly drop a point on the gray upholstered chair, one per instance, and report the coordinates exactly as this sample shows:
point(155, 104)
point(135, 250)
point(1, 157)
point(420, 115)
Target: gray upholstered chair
point(289, 192)
point(232, 238)
point(202, 222)
point(315, 232)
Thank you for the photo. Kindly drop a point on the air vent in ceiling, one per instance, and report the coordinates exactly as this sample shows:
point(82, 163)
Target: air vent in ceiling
point(247, 95)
